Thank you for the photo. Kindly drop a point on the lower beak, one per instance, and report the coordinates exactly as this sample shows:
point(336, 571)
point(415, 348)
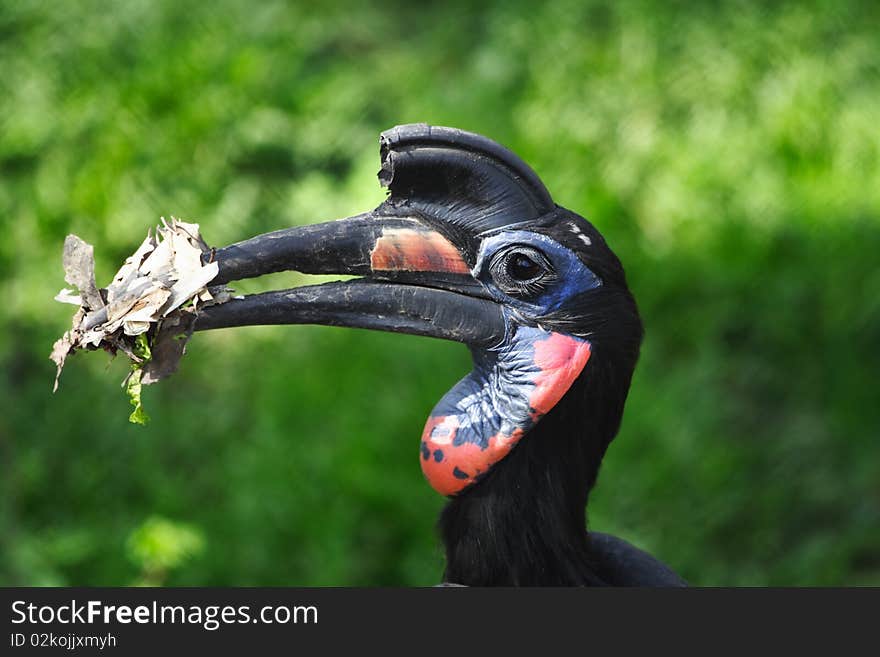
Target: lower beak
point(414, 280)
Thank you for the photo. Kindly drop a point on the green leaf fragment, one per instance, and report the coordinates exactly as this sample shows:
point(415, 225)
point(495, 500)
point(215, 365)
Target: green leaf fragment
point(142, 349)
point(133, 388)
point(133, 385)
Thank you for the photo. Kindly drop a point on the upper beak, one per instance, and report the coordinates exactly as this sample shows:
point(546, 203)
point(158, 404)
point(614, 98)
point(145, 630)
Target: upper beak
point(414, 280)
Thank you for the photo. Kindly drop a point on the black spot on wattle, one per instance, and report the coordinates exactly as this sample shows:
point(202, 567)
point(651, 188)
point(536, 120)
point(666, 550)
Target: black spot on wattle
point(438, 455)
point(458, 474)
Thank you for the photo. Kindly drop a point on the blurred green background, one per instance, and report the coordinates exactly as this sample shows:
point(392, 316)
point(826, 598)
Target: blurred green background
point(730, 154)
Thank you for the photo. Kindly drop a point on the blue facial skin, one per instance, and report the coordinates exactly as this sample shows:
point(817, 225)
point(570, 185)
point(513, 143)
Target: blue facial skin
point(572, 276)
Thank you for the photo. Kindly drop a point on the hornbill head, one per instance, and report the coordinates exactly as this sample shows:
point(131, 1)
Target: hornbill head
point(469, 246)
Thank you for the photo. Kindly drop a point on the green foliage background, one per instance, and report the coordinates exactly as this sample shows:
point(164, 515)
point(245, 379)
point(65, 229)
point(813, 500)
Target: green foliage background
point(730, 154)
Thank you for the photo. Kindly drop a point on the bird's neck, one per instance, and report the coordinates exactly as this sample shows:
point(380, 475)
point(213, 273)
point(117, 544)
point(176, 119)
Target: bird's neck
point(524, 523)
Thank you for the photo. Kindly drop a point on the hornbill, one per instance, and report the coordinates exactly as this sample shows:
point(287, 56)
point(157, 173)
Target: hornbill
point(469, 246)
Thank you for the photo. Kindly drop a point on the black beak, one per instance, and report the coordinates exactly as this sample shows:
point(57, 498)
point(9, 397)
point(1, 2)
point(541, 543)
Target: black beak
point(414, 252)
point(414, 281)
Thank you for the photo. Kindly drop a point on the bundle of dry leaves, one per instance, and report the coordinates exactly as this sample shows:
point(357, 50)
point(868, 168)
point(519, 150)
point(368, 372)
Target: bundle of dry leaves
point(149, 309)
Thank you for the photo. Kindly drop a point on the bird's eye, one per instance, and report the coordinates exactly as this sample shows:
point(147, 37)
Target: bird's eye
point(521, 267)
point(521, 271)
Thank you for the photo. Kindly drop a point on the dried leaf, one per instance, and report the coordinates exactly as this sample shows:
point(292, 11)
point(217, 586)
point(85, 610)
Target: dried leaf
point(131, 266)
point(60, 349)
point(169, 346)
point(65, 345)
point(67, 296)
point(187, 288)
point(79, 269)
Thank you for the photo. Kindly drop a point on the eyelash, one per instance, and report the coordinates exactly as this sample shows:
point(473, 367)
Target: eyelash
point(508, 285)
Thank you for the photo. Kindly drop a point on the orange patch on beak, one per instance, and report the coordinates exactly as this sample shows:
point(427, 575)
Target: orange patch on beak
point(405, 249)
